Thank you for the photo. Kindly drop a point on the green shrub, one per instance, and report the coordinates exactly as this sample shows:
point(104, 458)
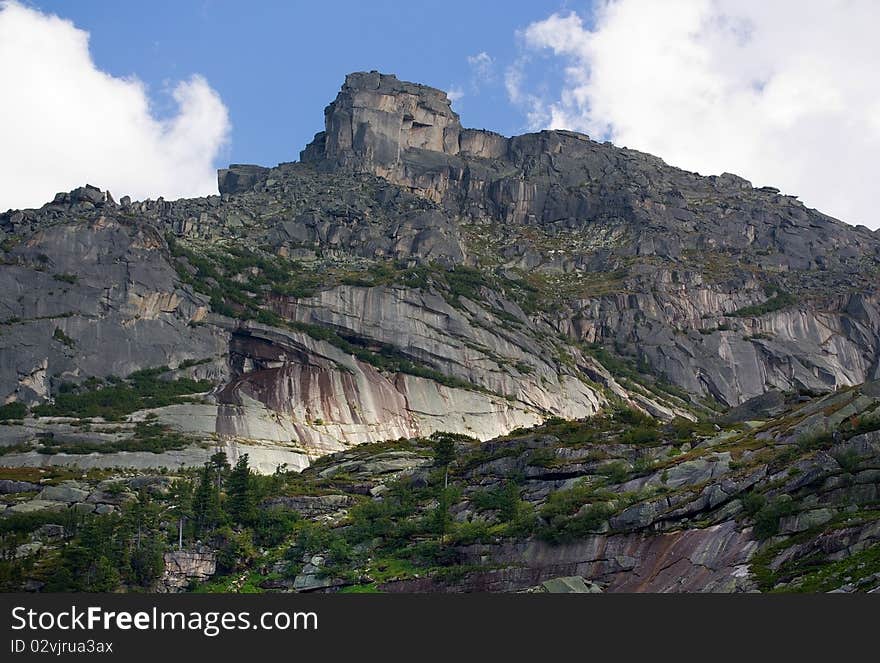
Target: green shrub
point(684, 429)
point(465, 282)
point(524, 521)
point(141, 390)
point(467, 533)
point(753, 502)
point(433, 553)
point(504, 499)
point(820, 440)
point(150, 437)
point(849, 461)
point(570, 433)
point(767, 518)
point(383, 519)
point(866, 425)
point(542, 458)
point(13, 411)
point(272, 526)
point(633, 417)
point(561, 529)
point(567, 502)
point(777, 302)
point(616, 472)
point(235, 550)
point(640, 435)
point(9, 243)
point(25, 523)
point(61, 337)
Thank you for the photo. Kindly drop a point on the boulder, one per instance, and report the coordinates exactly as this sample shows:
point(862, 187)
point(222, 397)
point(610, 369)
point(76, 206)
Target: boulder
point(10, 487)
point(51, 531)
point(805, 520)
point(239, 178)
point(32, 506)
point(28, 549)
point(65, 492)
point(313, 577)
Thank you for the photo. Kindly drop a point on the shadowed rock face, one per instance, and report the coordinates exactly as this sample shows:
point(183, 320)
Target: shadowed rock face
point(714, 559)
point(411, 275)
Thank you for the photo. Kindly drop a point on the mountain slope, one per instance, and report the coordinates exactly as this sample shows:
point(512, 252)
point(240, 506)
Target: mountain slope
point(456, 361)
point(411, 276)
point(785, 500)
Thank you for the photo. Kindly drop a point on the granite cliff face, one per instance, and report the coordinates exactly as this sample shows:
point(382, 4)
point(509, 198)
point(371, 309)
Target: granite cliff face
point(409, 275)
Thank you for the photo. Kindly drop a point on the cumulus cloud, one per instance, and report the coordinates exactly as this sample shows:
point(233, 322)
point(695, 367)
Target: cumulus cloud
point(785, 93)
point(64, 122)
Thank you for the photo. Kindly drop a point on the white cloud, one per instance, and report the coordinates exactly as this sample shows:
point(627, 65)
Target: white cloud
point(454, 94)
point(483, 67)
point(64, 122)
point(534, 105)
point(785, 93)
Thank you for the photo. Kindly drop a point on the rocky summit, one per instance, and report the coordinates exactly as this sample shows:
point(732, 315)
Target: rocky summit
point(647, 379)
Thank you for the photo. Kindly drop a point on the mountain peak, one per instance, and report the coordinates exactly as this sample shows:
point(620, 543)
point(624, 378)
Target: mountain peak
point(376, 117)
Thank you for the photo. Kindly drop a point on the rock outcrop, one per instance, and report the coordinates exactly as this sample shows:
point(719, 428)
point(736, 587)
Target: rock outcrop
point(376, 119)
point(183, 567)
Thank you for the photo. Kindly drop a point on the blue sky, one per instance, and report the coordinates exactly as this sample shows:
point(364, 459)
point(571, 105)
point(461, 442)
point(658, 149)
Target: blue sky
point(277, 64)
point(149, 98)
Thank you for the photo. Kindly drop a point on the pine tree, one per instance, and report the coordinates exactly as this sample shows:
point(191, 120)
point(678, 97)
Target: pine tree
point(240, 492)
point(220, 462)
point(444, 454)
point(207, 512)
point(142, 560)
point(181, 496)
point(102, 576)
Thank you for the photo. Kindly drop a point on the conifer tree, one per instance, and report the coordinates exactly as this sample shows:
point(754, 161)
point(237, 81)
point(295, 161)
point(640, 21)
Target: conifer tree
point(240, 492)
point(206, 501)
